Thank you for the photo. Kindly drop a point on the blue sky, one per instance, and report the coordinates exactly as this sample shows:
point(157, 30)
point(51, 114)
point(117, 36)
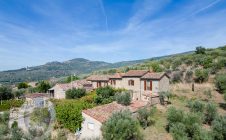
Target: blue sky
point(36, 32)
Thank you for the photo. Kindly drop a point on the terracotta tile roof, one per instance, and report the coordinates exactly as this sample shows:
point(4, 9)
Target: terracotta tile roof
point(117, 76)
point(36, 95)
point(152, 75)
point(98, 78)
point(135, 73)
point(75, 84)
point(103, 112)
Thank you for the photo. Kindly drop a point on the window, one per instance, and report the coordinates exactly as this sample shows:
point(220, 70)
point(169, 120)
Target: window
point(149, 85)
point(131, 82)
point(90, 126)
point(113, 82)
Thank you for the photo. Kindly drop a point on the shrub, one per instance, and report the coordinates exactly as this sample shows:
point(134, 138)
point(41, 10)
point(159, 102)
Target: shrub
point(196, 106)
point(208, 94)
point(104, 95)
point(145, 116)
point(17, 134)
point(189, 76)
point(105, 92)
point(156, 67)
point(192, 122)
point(69, 116)
point(5, 93)
point(163, 95)
point(22, 85)
point(178, 130)
point(75, 93)
point(3, 129)
point(123, 98)
point(201, 75)
point(43, 86)
point(14, 124)
point(174, 116)
point(211, 112)
point(220, 82)
point(219, 128)
point(121, 126)
point(6, 105)
point(200, 50)
point(177, 76)
point(4, 118)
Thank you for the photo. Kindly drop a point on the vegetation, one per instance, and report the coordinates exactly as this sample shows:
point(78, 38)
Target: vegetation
point(71, 78)
point(121, 126)
point(123, 98)
point(22, 85)
point(104, 95)
point(43, 86)
point(218, 128)
point(7, 104)
point(75, 93)
point(220, 83)
point(5, 93)
point(68, 112)
point(163, 96)
point(201, 75)
point(40, 115)
point(145, 116)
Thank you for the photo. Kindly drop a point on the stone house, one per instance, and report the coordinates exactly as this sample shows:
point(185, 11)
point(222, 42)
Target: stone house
point(95, 117)
point(143, 83)
point(59, 90)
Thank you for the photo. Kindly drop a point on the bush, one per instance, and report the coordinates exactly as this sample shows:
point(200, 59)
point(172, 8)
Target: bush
point(211, 112)
point(163, 95)
point(196, 106)
point(121, 126)
point(174, 116)
point(105, 92)
point(219, 128)
point(104, 95)
point(201, 75)
point(4, 118)
point(43, 86)
point(200, 50)
point(145, 116)
point(189, 76)
point(177, 76)
point(5, 93)
point(22, 85)
point(6, 105)
point(3, 129)
point(178, 130)
point(220, 82)
point(75, 93)
point(192, 122)
point(123, 98)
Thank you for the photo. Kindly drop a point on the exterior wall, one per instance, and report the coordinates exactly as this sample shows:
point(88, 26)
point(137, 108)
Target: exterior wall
point(164, 84)
point(136, 88)
point(86, 132)
point(94, 83)
point(118, 83)
point(59, 93)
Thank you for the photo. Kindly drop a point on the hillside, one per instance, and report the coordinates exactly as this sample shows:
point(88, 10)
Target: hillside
point(58, 69)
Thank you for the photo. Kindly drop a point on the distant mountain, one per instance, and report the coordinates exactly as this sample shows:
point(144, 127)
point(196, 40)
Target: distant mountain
point(60, 69)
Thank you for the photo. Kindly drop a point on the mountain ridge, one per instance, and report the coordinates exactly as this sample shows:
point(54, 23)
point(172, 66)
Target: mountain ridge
point(60, 69)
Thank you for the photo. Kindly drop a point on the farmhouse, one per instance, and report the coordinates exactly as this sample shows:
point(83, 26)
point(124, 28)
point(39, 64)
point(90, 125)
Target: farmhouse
point(143, 83)
point(95, 117)
point(59, 90)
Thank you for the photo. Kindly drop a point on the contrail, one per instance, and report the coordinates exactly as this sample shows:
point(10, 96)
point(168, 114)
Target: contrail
point(206, 7)
point(104, 13)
